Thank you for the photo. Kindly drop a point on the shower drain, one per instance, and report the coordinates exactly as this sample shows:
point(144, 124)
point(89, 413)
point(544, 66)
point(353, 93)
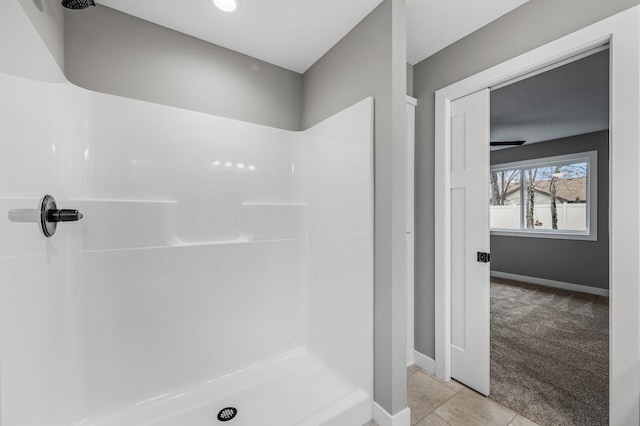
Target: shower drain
point(227, 414)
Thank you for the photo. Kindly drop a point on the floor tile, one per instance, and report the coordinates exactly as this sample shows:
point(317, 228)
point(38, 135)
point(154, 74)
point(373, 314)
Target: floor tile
point(425, 395)
point(522, 421)
point(432, 420)
point(468, 408)
point(451, 384)
point(412, 369)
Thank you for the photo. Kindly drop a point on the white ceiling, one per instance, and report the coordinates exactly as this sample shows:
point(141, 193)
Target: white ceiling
point(294, 34)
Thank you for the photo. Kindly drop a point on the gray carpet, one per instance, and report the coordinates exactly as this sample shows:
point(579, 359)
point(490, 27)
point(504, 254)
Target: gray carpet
point(550, 353)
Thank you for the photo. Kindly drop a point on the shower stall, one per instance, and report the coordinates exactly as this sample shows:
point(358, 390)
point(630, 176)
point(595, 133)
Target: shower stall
point(222, 270)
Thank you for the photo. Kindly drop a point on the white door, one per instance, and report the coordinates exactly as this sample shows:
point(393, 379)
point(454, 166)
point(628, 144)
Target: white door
point(469, 239)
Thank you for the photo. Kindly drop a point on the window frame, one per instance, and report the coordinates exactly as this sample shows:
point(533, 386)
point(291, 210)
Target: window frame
point(591, 233)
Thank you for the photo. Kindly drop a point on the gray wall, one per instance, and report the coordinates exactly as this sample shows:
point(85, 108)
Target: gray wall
point(529, 26)
point(47, 17)
point(409, 79)
point(32, 40)
point(112, 52)
point(571, 261)
point(371, 61)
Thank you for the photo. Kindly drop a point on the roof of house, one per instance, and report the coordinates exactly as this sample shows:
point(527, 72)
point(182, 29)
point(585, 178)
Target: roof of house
point(572, 189)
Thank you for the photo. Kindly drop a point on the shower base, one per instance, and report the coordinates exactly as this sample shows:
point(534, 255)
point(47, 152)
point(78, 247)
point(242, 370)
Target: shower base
point(295, 389)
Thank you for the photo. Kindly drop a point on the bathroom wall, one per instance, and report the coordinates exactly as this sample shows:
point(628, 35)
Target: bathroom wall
point(371, 61)
point(25, 51)
point(47, 16)
point(166, 262)
point(211, 245)
point(571, 261)
point(111, 52)
point(208, 246)
point(178, 70)
point(334, 160)
point(35, 294)
point(99, 45)
point(531, 25)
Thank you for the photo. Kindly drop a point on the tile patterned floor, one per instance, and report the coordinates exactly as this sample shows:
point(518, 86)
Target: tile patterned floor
point(434, 402)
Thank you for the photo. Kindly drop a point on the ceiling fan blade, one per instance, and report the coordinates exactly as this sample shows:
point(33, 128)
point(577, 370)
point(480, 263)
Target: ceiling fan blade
point(507, 143)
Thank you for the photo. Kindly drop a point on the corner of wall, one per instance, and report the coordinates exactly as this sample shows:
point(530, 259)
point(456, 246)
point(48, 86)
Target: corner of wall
point(39, 55)
point(47, 18)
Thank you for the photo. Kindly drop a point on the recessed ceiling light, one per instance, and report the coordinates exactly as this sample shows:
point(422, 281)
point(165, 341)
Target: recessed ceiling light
point(226, 5)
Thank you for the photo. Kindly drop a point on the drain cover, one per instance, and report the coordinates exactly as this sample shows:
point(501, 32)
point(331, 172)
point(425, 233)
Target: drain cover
point(227, 414)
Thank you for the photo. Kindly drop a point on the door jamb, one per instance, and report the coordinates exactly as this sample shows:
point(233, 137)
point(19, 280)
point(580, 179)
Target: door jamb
point(622, 31)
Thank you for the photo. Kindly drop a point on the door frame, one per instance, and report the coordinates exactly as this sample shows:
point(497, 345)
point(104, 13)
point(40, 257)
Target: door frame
point(622, 32)
point(410, 224)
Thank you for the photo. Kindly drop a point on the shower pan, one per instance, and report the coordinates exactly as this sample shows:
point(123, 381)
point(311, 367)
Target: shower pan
point(221, 272)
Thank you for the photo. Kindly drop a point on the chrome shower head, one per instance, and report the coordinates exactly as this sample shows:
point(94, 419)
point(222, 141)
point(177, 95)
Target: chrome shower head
point(78, 4)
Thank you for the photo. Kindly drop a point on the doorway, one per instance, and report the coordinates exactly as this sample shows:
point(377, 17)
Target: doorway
point(549, 207)
point(624, 229)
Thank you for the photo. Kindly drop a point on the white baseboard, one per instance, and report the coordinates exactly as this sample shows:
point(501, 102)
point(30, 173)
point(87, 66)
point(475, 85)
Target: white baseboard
point(552, 283)
point(383, 418)
point(424, 362)
point(410, 358)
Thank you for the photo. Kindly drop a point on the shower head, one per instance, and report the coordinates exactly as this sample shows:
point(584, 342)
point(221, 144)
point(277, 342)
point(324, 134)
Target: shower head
point(78, 4)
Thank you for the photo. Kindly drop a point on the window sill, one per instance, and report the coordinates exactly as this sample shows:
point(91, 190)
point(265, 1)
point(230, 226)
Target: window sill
point(568, 235)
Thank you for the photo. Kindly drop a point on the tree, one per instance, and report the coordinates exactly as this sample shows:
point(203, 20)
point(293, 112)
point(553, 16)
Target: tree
point(501, 185)
point(569, 171)
point(553, 187)
point(495, 190)
point(531, 182)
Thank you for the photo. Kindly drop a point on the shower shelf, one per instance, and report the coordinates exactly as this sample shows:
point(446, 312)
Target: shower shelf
point(231, 242)
point(183, 245)
point(276, 204)
point(117, 200)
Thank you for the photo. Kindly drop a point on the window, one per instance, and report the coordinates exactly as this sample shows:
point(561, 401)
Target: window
point(552, 197)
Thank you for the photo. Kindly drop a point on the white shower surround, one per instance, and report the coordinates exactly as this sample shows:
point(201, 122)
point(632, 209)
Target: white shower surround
point(219, 263)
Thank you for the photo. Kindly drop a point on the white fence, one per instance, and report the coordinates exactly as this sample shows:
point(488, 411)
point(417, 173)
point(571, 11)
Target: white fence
point(570, 216)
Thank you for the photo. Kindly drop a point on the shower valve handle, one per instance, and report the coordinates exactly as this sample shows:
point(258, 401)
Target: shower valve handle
point(47, 216)
point(64, 215)
point(50, 215)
